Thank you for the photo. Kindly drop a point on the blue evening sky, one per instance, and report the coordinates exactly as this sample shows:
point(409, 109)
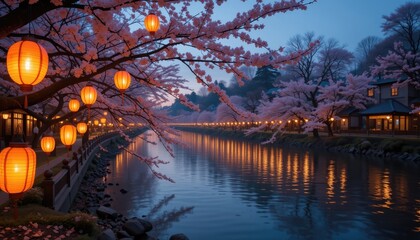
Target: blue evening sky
point(348, 21)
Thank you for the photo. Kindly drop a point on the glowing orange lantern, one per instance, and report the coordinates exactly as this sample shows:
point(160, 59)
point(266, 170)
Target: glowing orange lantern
point(27, 64)
point(68, 135)
point(81, 127)
point(96, 122)
point(151, 22)
point(74, 105)
point(122, 80)
point(88, 95)
point(47, 144)
point(17, 169)
point(103, 120)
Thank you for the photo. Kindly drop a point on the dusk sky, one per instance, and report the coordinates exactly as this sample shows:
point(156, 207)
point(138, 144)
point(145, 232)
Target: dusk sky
point(348, 21)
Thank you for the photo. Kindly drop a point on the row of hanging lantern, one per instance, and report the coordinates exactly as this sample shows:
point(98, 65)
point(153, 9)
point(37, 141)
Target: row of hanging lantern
point(27, 65)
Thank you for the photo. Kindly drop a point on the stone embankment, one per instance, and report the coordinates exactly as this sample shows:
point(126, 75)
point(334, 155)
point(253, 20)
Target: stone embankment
point(93, 199)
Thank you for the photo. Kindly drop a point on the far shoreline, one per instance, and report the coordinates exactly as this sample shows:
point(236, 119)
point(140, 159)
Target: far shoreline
point(398, 150)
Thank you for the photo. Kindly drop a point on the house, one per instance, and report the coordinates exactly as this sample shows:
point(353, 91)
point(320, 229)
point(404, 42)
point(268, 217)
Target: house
point(392, 111)
point(14, 123)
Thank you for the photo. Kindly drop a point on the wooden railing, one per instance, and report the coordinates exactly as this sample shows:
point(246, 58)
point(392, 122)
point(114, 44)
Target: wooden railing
point(61, 189)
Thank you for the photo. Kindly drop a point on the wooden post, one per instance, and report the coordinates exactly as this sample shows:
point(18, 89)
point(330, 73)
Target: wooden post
point(48, 186)
point(67, 167)
point(75, 158)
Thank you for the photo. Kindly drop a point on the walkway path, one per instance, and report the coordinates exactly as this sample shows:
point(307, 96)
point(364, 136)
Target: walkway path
point(41, 169)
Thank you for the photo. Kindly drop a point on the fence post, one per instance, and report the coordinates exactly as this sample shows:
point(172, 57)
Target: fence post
point(75, 158)
point(67, 167)
point(48, 185)
point(80, 153)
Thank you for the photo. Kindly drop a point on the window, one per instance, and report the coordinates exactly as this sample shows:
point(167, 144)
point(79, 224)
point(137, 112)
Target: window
point(394, 91)
point(17, 123)
point(371, 92)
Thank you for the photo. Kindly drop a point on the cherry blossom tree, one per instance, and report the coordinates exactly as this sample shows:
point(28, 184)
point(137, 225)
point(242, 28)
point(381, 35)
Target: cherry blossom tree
point(224, 113)
point(328, 62)
point(88, 41)
point(292, 103)
point(403, 62)
point(205, 117)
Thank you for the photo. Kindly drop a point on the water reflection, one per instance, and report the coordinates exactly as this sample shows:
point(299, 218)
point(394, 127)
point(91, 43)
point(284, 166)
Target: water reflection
point(243, 190)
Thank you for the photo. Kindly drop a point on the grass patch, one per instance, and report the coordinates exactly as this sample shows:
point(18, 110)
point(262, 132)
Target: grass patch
point(83, 223)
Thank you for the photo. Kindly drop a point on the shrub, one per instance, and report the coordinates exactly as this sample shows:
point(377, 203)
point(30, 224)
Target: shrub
point(32, 196)
point(82, 222)
point(365, 145)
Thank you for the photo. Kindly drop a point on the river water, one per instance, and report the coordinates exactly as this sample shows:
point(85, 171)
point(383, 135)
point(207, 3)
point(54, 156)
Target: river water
point(233, 189)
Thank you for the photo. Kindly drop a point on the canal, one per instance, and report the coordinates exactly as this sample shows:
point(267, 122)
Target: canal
point(234, 189)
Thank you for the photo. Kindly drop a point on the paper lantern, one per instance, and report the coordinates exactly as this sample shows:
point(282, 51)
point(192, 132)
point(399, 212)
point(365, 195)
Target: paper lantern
point(96, 122)
point(17, 168)
point(27, 64)
point(151, 22)
point(88, 95)
point(68, 135)
point(47, 144)
point(103, 120)
point(122, 80)
point(81, 127)
point(74, 105)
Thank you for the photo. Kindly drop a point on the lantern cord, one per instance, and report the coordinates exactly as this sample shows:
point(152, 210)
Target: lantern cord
point(25, 102)
point(122, 98)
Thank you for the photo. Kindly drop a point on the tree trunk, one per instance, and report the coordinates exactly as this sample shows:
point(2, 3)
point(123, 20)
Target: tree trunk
point(329, 128)
point(315, 133)
point(85, 137)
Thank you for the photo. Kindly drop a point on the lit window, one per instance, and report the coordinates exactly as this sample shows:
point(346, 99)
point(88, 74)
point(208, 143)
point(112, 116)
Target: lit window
point(394, 91)
point(371, 92)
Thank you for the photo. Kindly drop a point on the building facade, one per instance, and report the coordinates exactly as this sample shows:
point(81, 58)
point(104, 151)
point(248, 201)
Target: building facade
point(392, 112)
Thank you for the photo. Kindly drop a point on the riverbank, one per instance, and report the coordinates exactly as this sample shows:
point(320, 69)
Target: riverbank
point(93, 200)
point(398, 150)
point(35, 221)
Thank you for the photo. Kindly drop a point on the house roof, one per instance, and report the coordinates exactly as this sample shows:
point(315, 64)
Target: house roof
point(348, 111)
point(383, 81)
point(390, 106)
